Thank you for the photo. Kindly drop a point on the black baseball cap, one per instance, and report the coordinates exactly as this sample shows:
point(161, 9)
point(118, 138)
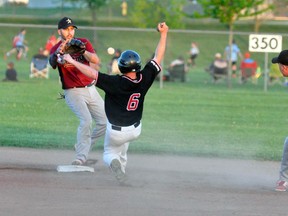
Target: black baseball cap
point(65, 22)
point(282, 58)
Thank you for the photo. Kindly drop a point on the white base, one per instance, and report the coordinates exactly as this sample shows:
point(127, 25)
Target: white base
point(74, 168)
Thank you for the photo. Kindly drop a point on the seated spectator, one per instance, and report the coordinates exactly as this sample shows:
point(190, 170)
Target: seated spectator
point(178, 69)
point(113, 65)
point(218, 69)
point(248, 69)
point(39, 65)
point(11, 74)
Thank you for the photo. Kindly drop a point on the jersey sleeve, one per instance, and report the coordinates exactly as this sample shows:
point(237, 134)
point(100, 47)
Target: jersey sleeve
point(151, 69)
point(107, 82)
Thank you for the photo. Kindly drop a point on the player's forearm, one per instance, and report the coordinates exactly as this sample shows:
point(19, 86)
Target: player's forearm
point(161, 47)
point(91, 57)
point(160, 50)
point(85, 69)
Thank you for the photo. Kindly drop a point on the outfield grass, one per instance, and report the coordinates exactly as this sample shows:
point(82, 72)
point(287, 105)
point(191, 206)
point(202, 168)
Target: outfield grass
point(194, 118)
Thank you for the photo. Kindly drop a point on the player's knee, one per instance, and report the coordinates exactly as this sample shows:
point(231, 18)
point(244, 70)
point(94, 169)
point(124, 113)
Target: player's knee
point(86, 122)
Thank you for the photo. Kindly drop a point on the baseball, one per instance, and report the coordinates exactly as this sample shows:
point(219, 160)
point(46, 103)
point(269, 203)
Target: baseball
point(110, 50)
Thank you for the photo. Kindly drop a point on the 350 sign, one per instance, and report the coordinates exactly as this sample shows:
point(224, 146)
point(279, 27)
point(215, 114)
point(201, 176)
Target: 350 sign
point(265, 43)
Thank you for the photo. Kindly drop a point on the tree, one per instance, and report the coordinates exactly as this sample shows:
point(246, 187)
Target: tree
point(93, 5)
point(229, 11)
point(145, 13)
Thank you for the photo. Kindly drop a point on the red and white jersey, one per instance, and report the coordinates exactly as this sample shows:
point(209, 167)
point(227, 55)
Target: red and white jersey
point(70, 76)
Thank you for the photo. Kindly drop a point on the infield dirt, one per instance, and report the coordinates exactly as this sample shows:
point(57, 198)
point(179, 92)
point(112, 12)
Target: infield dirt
point(157, 185)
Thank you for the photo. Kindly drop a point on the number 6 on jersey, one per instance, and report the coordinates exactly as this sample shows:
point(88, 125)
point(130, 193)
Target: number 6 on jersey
point(133, 102)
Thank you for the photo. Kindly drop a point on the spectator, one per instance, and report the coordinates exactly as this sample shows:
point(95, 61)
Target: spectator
point(235, 52)
point(247, 58)
point(19, 45)
point(113, 65)
point(51, 41)
point(11, 74)
point(40, 53)
point(178, 69)
point(39, 65)
point(218, 68)
point(177, 61)
point(194, 52)
point(248, 69)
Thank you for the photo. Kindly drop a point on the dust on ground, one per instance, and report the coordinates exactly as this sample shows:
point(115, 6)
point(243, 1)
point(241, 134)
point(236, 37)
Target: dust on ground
point(157, 185)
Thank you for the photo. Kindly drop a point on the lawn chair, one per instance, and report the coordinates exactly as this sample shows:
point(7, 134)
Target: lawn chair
point(275, 75)
point(39, 67)
point(248, 71)
point(177, 72)
point(219, 70)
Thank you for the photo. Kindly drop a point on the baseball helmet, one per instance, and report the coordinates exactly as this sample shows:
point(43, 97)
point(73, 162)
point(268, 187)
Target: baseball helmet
point(129, 61)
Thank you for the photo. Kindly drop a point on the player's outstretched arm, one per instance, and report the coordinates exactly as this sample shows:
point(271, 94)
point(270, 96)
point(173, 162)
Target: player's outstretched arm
point(85, 69)
point(160, 50)
point(91, 57)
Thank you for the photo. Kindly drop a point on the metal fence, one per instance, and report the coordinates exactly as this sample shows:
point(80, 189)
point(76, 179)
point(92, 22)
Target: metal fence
point(143, 41)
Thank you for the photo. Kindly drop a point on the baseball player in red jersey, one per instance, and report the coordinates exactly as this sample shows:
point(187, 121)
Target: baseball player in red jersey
point(80, 93)
point(124, 98)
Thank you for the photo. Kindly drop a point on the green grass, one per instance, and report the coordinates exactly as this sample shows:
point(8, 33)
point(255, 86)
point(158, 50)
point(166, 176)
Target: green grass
point(215, 121)
point(195, 118)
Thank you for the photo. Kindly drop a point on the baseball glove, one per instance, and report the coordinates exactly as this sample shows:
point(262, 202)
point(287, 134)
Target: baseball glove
point(74, 46)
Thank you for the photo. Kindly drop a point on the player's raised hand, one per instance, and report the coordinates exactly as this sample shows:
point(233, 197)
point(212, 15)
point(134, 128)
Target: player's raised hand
point(160, 49)
point(162, 27)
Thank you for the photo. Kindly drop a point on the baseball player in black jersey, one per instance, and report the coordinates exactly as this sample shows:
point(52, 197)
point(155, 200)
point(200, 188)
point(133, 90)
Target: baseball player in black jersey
point(124, 98)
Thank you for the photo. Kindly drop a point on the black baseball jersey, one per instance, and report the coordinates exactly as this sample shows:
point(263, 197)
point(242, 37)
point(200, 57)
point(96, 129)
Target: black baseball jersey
point(124, 97)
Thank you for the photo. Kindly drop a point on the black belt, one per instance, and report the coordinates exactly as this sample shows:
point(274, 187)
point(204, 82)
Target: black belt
point(118, 128)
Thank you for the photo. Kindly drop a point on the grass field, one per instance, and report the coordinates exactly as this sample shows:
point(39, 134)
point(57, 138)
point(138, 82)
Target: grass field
point(192, 118)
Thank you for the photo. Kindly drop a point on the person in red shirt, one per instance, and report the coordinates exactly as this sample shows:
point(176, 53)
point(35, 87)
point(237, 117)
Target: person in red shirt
point(248, 68)
point(52, 40)
point(79, 91)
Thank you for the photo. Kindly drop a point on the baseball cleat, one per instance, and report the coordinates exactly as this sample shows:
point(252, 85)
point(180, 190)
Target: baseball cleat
point(78, 162)
point(116, 169)
point(281, 186)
